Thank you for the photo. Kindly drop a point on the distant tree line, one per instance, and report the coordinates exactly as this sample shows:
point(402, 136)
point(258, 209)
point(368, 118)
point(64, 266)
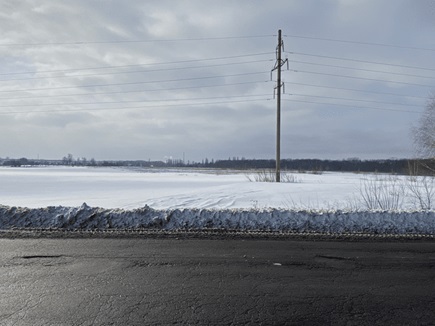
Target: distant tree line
point(317, 165)
point(398, 166)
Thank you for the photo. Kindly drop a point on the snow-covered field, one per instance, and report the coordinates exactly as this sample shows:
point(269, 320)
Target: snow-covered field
point(181, 198)
point(168, 189)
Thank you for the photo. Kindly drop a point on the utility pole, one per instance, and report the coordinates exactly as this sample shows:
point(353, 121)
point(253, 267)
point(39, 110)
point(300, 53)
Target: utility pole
point(278, 64)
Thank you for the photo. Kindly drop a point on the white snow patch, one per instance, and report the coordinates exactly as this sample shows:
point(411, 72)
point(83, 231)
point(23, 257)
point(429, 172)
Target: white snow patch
point(52, 197)
point(166, 189)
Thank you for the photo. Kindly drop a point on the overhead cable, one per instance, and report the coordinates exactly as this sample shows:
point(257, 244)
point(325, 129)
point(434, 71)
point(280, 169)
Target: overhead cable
point(137, 41)
point(351, 99)
point(361, 69)
point(136, 107)
point(361, 78)
point(137, 71)
point(132, 101)
point(362, 61)
point(139, 91)
point(360, 42)
point(132, 83)
point(356, 90)
point(137, 65)
point(353, 106)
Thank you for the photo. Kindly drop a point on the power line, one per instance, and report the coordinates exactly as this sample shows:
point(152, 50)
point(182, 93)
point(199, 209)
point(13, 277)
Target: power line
point(136, 107)
point(356, 90)
point(356, 100)
point(361, 43)
point(138, 65)
point(133, 101)
point(361, 78)
point(362, 61)
point(360, 69)
point(138, 41)
point(141, 91)
point(353, 106)
point(131, 83)
point(138, 71)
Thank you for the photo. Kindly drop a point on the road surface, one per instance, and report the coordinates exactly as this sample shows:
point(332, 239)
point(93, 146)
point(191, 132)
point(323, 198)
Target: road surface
point(215, 282)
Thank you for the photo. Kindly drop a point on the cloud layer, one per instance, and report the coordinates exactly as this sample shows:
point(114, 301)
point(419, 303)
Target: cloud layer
point(145, 80)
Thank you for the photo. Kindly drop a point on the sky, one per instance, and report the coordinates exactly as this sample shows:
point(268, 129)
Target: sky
point(140, 80)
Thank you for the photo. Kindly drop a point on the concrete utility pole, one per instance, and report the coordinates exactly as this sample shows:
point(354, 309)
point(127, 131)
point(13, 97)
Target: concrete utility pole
point(278, 64)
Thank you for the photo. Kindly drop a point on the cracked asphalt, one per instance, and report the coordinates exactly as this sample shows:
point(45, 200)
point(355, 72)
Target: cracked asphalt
point(144, 281)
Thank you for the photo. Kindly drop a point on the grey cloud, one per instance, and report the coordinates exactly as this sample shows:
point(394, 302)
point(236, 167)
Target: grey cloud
point(154, 130)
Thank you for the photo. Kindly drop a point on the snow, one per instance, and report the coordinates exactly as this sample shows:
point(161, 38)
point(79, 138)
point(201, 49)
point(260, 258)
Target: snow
point(192, 199)
point(166, 189)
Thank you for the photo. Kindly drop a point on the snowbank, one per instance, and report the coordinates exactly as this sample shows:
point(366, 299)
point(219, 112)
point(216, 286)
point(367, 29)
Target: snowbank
point(85, 217)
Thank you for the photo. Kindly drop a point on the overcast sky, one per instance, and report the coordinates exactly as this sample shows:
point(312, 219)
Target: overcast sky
point(155, 79)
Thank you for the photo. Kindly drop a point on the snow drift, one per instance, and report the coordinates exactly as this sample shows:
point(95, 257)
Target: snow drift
point(273, 219)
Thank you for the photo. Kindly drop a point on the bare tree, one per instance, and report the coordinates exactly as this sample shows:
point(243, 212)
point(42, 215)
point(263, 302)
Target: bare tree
point(424, 133)
point(385, 193)
point(421, 187)
point(68, 160)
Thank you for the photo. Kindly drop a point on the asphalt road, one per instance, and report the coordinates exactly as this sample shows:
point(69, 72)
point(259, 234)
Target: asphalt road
point(215, 282)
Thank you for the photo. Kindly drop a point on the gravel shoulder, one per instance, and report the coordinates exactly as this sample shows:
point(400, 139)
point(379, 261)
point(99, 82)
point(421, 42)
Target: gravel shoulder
point(217, 234)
